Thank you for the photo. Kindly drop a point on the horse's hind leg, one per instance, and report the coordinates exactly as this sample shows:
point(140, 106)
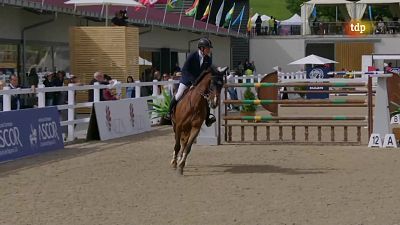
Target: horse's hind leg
point(193, 134)
point(176, 150)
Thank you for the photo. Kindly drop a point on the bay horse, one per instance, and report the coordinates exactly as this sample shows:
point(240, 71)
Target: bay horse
point(191, 112)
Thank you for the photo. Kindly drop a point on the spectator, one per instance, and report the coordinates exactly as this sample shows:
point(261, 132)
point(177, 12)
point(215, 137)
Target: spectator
point(253, 66)
point(177, 68)
point(387, 67)
point(157, 75)
point(240, 69)
point(97, 77)
point(32, 79)
point(258, 25)
point(232, 91)
point(106, 94)
point(74, 80)
point(119, 19)
point(271, 25)
point(59, 96)
point(246, 64)
point(16, 102)
point(275, 26)
point(49, 81)
point(130, 91)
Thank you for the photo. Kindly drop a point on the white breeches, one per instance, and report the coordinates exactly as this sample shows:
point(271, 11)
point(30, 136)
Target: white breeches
point(180, 91)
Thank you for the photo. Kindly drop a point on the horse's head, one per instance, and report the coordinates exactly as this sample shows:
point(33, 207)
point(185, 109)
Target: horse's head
point(216, 84)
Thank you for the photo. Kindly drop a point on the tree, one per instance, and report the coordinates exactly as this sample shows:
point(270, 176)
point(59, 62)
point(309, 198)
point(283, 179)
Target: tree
point(294, 6)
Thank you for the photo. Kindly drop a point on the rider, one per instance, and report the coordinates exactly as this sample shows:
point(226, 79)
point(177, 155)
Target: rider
point(195, 64)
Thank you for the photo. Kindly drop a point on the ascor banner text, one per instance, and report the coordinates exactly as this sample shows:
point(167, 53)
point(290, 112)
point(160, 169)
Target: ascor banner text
point(29, 131)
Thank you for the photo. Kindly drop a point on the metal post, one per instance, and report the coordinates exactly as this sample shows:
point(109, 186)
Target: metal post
point(6, 100)
point(171, 86)
point(41, 96)
point(155, 88)
point(96, 92)
point(71, 112)
point(370, 107)
point(137, 90)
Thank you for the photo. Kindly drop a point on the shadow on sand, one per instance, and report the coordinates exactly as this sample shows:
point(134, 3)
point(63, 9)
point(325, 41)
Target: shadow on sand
point(250, 169)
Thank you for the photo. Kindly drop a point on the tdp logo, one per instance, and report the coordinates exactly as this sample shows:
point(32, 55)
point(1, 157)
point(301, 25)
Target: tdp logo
point(358, 28)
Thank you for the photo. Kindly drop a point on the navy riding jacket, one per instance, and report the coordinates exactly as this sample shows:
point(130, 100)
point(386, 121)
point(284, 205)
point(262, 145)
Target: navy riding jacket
point(192, 69)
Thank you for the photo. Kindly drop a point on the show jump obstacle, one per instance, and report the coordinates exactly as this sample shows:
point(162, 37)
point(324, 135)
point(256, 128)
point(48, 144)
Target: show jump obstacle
point(310, 130)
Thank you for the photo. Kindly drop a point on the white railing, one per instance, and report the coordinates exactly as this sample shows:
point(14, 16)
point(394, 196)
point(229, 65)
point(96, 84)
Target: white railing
point(71, 105)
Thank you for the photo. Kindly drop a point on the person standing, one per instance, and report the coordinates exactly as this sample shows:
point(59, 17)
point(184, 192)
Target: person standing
point(16, 102)
point(130, 91)
point(258, 25)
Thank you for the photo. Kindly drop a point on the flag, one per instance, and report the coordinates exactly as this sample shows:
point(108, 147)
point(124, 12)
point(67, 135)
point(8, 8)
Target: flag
point(173, 3)
point(314, 12)
point(219, 14)
point(249, 24)
point(207, 12)
point(239, 18)
point(152, 2)
point(228, 16)
point(193, 9)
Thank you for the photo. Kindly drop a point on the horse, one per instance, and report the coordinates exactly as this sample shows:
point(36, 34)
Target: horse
point(191, 112)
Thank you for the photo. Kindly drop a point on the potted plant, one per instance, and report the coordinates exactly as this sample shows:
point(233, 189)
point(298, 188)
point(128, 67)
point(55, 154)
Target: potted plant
point(248, 110)
point(161, 108)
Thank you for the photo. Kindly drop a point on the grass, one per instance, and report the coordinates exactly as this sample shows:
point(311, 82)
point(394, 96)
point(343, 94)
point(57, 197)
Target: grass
point(276, 8)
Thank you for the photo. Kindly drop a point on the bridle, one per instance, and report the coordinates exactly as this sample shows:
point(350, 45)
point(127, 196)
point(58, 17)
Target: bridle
point(207, 92)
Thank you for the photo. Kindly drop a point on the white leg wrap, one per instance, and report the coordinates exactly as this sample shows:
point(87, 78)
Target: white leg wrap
point(180, 91)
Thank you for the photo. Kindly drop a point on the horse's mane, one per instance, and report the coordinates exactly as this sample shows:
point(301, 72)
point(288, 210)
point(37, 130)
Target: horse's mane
point(203, 74)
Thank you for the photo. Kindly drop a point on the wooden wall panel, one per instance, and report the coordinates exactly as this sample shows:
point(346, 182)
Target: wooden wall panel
point(348, 54)
point(112, 50)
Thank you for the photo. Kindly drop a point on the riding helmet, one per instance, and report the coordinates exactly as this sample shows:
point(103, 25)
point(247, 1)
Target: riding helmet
point(205, 43)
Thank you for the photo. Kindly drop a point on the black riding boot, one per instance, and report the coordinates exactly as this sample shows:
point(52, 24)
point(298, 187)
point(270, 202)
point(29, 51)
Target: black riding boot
point(172, 106)
point(210, 119)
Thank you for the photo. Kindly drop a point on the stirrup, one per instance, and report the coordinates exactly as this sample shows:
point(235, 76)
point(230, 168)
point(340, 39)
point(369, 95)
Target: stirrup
point(210, 120)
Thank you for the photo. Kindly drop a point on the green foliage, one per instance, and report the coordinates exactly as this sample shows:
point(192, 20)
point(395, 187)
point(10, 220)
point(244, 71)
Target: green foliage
point(275, 8)
point(161, 106)
point(249, 95)
point(397, 111)
point(294, 6)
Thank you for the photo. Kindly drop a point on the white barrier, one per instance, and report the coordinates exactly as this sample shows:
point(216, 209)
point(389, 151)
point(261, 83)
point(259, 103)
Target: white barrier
point(71, 105)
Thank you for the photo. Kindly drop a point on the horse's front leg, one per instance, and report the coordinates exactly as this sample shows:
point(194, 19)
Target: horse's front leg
point(193, 134)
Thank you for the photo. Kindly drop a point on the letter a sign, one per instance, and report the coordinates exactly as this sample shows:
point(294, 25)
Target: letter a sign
point(389, 141)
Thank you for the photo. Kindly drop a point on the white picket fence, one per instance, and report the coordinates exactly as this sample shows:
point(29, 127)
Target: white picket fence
point(71, 106)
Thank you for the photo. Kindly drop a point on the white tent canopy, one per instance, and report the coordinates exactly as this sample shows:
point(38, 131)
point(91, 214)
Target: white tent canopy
point(327, 2)
point(144, 62)
point(105, 3)
point(264, 19)
point(312, 59)
point(294, 20)
point(253, 19)
point(308, 7)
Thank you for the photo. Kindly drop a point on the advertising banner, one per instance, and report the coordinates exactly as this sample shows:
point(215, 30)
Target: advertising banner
point(121, 118)
point(29, 131)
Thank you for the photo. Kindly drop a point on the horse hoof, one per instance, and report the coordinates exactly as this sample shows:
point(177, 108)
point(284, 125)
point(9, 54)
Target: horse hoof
point(173, 164)
point(180, 171)
point(181, 164)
